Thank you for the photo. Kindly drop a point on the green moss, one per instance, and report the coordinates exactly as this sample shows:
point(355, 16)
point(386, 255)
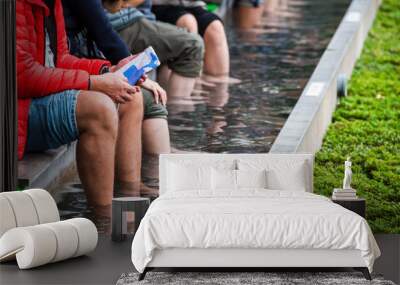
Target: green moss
point(366, 126)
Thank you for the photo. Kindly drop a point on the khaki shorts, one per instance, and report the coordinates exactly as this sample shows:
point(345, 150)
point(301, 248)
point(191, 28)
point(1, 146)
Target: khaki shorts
point(180, 50)
point(151, 109)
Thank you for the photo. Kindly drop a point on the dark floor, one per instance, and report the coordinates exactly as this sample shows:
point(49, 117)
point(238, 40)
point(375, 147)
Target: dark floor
point(103, 266)
point(110, 260)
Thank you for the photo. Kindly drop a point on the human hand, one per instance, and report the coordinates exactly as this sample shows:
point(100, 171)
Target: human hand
point(115, 85)
point(159, 93)
point(141, 79)
point(122, 62)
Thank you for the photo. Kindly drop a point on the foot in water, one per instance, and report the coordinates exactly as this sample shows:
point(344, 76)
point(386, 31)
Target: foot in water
point(101, 217)
point(134, 189)
point(200, 81)
point(220, 79)
point(200, 92)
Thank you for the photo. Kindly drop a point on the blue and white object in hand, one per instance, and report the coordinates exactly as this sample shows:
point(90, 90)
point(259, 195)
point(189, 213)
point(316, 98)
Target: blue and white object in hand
point(141, 64)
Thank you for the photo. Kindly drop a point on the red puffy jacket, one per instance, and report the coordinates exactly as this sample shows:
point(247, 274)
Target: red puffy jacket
point(36, 80)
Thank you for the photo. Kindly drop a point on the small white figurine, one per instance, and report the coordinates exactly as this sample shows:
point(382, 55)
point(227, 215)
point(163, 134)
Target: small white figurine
point(347, 174)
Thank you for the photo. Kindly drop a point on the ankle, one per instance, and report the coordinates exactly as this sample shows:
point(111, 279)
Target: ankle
point(133, 189)
point(126, 188)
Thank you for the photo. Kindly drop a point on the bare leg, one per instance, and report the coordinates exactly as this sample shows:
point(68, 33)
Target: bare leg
point(189, 22)
point(216, 58)
point(156, 136)
point(218, 96)
point(129, 145)
point(248, 17)
point(176, 85)
point(97, 120)
point(177, 106)
point(180, 86)
point(164, 74)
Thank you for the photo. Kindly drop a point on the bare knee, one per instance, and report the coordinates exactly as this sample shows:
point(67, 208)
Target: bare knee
point(133, 108)
point(96, 113)
point(189, 22)
point(215, 33)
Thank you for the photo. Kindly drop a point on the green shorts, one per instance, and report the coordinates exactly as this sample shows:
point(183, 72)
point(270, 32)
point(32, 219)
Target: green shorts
point(180, 50)
point(151, 109)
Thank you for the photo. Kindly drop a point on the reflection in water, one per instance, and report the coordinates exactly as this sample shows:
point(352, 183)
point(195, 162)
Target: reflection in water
point(273, 61)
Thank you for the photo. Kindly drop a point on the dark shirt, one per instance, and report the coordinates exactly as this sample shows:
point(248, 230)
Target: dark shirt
point(50, 26)
point(89, 15)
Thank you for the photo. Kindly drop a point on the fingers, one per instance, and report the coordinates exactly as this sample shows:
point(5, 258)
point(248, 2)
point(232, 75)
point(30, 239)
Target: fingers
point(159, 95)
point(136, 90)
point(126, 92)
point(119, 99)
point(126, 97)
point(129, 92)
point(163, 95)
point(155, 94)
point(113, 68)
point(141, 80)
point(130, 88)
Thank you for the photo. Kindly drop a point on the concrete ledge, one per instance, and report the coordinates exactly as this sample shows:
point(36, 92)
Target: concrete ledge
point(42, 170)
point(305, 128)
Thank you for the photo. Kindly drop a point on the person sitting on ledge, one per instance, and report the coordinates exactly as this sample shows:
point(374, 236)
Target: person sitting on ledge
point(180, 52)
point(91, 35)
point(62, 98)
point(193, 16)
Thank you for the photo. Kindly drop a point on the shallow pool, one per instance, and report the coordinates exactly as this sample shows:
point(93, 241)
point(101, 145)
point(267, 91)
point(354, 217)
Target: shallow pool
point(274, 62)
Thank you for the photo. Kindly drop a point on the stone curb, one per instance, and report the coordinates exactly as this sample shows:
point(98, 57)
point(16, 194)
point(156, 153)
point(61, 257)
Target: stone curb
point(305, 128)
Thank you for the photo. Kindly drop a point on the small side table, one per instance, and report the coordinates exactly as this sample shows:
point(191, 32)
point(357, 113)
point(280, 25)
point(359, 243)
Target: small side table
point(357, 205)
point(120, 207)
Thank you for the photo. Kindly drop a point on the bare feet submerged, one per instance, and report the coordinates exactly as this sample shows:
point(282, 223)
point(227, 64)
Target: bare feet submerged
point(101, 217)
point(134, 189)
point(200, 92)
point(180, 105)
point(216, 127)
point(220, 79)
point(201, 82)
